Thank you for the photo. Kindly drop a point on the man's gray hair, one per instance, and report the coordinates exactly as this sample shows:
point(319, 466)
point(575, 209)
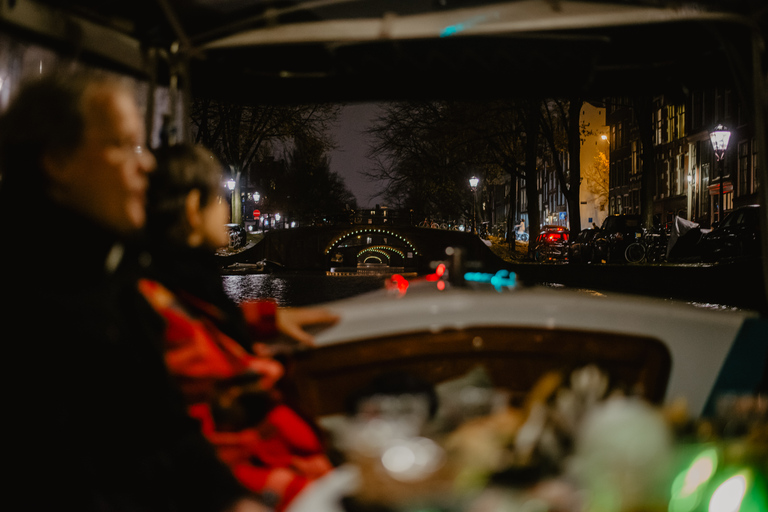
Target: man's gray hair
point(46, 117)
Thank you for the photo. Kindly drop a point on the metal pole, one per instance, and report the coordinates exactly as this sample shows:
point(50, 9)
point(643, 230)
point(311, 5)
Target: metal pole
point(721, 207)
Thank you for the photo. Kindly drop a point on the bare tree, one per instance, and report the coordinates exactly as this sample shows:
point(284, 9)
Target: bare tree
point(240, 135)
point(562, 130)
point(596, 179)
point(427, 150)
point(420, 154)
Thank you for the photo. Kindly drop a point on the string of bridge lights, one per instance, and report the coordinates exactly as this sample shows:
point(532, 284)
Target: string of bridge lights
point(372, 230)
point(382, 250)
point(374, 254)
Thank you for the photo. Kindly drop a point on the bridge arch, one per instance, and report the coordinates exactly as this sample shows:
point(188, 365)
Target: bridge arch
point(383, 250)
point(373, 253)
point(326, 247)
point(377, 231)
point(383, 254)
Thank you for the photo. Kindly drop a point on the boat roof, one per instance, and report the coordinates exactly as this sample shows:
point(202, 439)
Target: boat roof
point(346, 50)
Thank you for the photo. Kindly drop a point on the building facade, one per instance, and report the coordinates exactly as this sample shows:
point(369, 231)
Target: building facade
point(689, 181)
point(595, 141)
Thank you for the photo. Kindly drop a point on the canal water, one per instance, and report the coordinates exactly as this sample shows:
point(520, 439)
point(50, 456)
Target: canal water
point(304, 289)
point(299, 289)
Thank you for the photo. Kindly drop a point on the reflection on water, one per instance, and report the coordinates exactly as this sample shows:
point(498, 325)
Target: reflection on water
point(299, 289)
point(302, 289)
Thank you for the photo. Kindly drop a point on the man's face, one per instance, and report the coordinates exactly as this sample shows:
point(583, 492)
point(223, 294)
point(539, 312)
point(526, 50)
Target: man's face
point(105, 178)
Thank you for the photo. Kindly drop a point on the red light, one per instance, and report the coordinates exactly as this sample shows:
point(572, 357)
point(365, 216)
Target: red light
point(439, 271)
point(441, 285)
point(399, 282)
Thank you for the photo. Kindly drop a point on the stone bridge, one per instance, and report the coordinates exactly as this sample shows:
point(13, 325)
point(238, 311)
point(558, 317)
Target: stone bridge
point(355, 245)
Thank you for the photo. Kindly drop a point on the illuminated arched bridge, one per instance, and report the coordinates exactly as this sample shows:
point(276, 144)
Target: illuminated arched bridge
point(359, 245)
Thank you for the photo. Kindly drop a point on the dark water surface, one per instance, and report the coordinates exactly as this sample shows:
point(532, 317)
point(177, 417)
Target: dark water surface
point(303, 289)
point(299, 289)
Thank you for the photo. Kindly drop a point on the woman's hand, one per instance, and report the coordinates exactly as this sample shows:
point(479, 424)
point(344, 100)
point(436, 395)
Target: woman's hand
point(292, 322)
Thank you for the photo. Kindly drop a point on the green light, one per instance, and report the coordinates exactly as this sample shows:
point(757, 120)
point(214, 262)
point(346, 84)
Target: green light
point(689, 485)
point(729, 495)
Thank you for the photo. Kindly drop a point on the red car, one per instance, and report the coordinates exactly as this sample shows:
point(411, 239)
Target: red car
point(552, 244)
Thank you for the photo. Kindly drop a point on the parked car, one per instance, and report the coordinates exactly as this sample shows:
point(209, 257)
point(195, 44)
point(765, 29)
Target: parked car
point(581, 247)
point(616, 233)
point(736, 237)
point(552, 244)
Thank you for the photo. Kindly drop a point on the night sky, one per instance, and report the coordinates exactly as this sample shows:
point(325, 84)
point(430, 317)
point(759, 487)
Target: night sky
point(350, 158)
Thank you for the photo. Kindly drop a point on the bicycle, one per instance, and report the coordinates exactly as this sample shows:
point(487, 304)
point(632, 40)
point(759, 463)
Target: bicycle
point(650, 248)
point(636, 251)
point(428, 224)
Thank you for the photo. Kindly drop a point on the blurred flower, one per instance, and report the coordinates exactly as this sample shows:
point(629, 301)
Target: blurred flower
point(622, 456)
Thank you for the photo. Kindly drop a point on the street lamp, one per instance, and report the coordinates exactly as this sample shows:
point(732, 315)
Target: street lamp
point(719, 138)
point(473, 181)
point(231, 186)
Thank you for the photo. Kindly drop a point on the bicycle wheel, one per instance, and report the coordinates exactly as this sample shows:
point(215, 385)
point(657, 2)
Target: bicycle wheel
point(635, 252)
point(656, 254)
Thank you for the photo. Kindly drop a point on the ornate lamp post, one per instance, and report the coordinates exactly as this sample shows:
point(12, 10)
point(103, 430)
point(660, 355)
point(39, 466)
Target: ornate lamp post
point(720, 137)
point(231, 186)
point(473, 182)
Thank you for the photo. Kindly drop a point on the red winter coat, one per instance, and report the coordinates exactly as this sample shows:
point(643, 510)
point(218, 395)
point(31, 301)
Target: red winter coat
point(276, 456)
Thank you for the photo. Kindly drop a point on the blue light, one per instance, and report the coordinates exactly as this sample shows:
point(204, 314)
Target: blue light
point(499, 280)
point(451, 30)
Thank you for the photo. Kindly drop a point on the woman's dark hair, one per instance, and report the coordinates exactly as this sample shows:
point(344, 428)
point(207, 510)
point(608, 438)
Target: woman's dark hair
point(180, 169)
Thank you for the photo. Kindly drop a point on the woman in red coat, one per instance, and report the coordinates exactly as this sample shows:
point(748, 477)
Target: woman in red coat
point(213, 346)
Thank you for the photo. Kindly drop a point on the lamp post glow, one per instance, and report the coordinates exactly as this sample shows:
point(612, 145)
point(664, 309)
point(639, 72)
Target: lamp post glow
point(231, 186)
point(720, 137)
point(473, 182)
